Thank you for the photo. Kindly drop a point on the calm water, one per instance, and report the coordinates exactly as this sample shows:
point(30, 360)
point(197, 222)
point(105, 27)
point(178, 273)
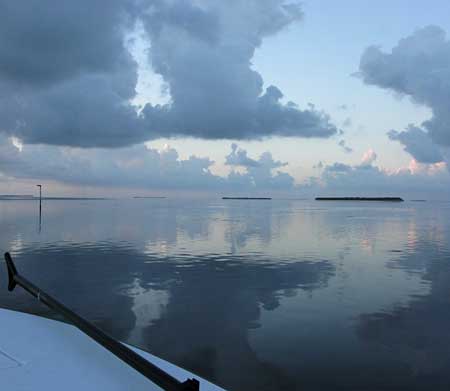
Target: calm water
point(253, 295)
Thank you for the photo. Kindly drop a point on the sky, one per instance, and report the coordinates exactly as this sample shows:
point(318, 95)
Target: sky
point(160, 97)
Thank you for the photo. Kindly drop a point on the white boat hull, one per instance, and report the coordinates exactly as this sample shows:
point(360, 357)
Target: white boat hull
point(42, 354)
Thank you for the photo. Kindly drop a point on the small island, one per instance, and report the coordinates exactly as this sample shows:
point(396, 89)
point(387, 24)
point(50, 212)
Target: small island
point(246, 198)
point(26, 197)
point(16, 197)
point(384, 199)
point(149, 197)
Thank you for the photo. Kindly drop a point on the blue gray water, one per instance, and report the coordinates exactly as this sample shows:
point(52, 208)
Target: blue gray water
point(253, 295)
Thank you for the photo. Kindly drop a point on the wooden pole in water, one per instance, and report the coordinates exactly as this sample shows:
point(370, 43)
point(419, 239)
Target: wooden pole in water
point(40, 207)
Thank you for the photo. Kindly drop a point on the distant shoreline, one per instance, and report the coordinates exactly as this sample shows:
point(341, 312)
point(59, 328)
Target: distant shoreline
point(384, 199)
point(246, 198)
point(33, 198)
point(149, 197)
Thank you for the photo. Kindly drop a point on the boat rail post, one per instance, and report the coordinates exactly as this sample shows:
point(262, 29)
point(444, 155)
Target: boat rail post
point(130, 357)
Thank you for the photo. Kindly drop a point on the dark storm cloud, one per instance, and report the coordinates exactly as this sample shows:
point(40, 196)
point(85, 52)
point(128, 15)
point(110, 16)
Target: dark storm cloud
point(419, 67)
point(84, 111)
point(43, 41)
point(418, 144)
point(67, 77)
point(65, 73)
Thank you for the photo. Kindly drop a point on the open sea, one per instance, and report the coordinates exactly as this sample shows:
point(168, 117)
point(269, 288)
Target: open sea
point(252, 295)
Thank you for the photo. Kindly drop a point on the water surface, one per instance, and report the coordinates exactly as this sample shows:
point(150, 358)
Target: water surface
point(253, 295)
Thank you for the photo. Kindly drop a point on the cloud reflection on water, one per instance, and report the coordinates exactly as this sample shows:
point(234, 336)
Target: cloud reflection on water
point(250, 295)
point(416, 333)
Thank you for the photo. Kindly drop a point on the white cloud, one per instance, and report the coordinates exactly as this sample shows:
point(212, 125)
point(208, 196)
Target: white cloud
point(368, 158)
point(344, 146)
point(365, 179)
point(136, 167)
point(417, 67)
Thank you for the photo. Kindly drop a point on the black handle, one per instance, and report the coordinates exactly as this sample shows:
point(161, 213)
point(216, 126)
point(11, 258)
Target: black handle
point(140, 364)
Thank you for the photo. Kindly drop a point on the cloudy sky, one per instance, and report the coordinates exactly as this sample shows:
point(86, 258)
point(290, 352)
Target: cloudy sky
point(133, 97)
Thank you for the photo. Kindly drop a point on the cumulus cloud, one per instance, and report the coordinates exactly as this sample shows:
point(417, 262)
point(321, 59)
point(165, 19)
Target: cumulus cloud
point(319, 165)
point(337, 167)
point(43, 42)
point(345, 147)
point(417, 143)
point(259, 172)
point(366, 179)
point(203, 51)
point(238, 157)
point(418, 67)
point(67, 76)
point(85, 111)
point(347, 122)
point(446, 154)
point(135, 167)
point(368, 158)
point(141, 167)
